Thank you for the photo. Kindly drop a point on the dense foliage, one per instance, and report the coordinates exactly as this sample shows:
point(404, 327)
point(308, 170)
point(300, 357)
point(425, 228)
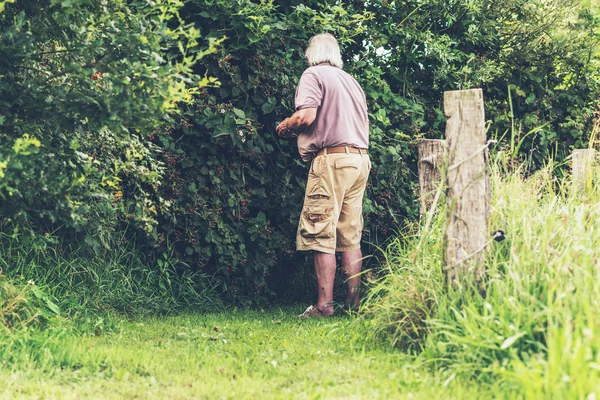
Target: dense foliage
point(236, 188)
point(83, 84)
point(113, 118)
point(536, 60)
point(536, 70)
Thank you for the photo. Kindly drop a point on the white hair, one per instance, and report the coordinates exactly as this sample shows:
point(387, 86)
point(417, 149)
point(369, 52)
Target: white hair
point(324, 48)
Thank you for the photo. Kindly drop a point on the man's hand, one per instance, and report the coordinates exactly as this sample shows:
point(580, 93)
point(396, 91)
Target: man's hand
point(297, 123)
point(283, 130)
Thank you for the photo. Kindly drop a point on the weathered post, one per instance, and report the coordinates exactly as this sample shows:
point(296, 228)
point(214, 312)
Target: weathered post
point(468, 192)
point(581, 171)
point(431, 153)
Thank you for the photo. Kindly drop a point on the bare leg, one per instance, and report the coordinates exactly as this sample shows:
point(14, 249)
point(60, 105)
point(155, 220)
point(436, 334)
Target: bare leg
point(325, 265)
point(351, 266)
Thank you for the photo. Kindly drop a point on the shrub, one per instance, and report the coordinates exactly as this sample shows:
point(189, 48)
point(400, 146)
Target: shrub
point(236, 189)
point(122, 133)
point(83, 82)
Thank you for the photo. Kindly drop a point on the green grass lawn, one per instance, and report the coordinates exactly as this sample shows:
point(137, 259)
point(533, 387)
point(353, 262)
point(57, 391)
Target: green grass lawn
point(231, 355)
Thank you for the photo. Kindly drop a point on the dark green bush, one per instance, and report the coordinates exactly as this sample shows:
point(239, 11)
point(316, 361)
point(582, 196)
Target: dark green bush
point(125, 135)
point(533, 59)
point(82, 83)
point(236, 189)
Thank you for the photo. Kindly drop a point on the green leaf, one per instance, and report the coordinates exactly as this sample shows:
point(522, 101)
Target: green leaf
point(220, 132)
point(511, 340)
point(52, 306)
point(268, 108)
point(261, 217)
point(240, 113)
point(37, 292)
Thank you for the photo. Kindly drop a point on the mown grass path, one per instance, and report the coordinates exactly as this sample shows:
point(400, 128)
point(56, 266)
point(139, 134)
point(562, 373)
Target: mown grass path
point(233, 355)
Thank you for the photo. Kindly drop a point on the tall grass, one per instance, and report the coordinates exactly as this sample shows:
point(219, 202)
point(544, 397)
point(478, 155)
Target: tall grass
point(52, 288)
point(23, 306)
point(398, 304)
point(537, 329)
point(118, 279)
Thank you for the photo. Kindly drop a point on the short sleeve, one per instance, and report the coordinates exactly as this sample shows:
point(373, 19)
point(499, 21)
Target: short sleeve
point(309, 92)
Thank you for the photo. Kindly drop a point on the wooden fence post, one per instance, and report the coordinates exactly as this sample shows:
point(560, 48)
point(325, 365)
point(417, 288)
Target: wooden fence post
point(431, 156)
point(581, 171)
point(468, 192)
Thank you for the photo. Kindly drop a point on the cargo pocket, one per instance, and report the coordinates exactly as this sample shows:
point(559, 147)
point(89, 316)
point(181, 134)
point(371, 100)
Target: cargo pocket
point(317, 222)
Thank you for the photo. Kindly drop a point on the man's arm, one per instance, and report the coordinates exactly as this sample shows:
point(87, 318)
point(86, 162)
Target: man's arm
point(297, 123)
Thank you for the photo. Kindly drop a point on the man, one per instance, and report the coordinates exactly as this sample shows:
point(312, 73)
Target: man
point(332, 127)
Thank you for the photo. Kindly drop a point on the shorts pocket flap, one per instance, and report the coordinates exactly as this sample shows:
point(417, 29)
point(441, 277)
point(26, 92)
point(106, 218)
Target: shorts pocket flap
point(317, 221)
point(318, 213)
point(352, 162)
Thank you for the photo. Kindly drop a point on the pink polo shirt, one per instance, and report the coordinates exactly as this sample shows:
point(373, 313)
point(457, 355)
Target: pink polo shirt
point(342, 118)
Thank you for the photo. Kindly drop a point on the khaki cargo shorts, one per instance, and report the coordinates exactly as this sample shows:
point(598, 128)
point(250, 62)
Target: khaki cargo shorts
point(331, 218)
